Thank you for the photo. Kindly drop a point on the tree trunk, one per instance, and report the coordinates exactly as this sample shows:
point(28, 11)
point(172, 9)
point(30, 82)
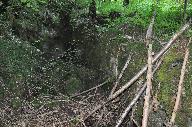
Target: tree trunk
point(126, 2)
point(92, 11)
point(185, 8)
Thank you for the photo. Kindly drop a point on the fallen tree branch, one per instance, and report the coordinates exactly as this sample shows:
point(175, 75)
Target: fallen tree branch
point(149, 88)
point(132, 103)
point(180, 87)
point(120, 75)
point(136, 98)
point(134, 108)
point(135, 122)
point(86, 91)
point(149, 73)
point(143, 70)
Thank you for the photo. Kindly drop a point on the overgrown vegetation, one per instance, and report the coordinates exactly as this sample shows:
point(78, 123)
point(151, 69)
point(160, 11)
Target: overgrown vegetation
point(57, 48)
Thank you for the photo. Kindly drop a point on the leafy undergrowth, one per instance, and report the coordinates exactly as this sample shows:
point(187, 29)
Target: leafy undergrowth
point(169, 14)
point(49, 108)
point(33, 88)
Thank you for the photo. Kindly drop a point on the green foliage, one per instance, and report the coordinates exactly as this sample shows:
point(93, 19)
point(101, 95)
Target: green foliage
point(17, 63)
point(169, 13)
point(72, 85)
point(24, 70)
point(34, 4)
point(83, 3)
point(106, 7)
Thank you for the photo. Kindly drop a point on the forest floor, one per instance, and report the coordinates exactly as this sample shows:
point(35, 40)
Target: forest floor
point(63, 111)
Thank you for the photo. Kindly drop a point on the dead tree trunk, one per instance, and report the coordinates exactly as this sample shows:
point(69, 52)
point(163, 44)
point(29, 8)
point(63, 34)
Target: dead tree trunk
point(157, 56)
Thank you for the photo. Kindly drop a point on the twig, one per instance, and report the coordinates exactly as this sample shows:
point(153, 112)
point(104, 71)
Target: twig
point(86, 91)
point(134, 108)
point(150, 30)
point(47, 113)
point(120, 75)
point(180, 87)
point(143, 70)
point(185, 8)
point(135, 122)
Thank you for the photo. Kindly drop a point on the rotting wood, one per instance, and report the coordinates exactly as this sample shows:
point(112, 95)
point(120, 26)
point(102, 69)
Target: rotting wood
point(143, 70)
point(180, 87)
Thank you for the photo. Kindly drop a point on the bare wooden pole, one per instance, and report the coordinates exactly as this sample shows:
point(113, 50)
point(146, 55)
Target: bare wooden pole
point(149, 73)
point(148, 90)
point(180, 87)
point(143, 70)
point(120, 75)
